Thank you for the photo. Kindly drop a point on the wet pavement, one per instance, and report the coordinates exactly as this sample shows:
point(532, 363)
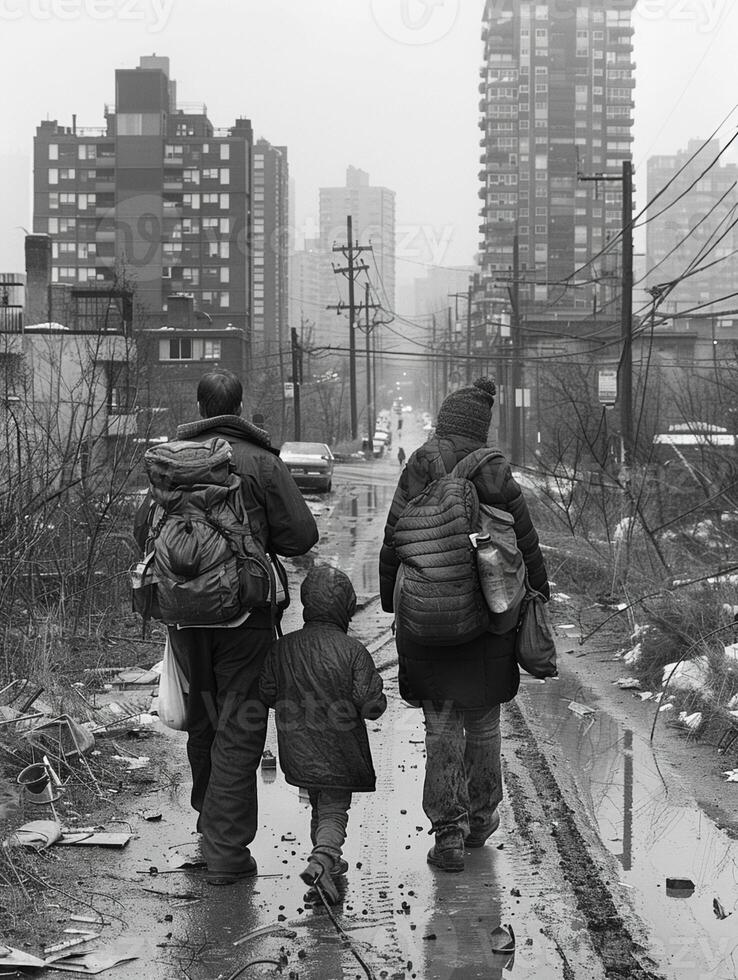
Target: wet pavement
point(653, 829)
point(403, 918)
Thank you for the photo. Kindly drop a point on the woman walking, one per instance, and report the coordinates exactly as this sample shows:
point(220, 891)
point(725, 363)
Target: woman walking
point(460, 687)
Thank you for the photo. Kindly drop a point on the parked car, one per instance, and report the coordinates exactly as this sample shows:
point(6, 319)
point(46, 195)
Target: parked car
point(381, 442)
point(310, 463)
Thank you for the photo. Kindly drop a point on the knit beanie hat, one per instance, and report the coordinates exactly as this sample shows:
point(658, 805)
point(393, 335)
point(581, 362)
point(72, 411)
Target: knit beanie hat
point(468, 411)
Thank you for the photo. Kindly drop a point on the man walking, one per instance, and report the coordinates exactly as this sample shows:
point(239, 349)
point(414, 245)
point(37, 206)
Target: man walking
point(226, 721)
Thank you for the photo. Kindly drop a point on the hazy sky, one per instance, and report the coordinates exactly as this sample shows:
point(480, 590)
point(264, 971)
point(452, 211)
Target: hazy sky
point(386, 85)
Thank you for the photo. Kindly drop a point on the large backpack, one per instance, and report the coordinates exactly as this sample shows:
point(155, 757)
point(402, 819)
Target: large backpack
point(205, 565)
point(440, 600)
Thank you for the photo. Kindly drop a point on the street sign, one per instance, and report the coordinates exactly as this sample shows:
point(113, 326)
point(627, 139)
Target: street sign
point(607, 386)
point(289, 389)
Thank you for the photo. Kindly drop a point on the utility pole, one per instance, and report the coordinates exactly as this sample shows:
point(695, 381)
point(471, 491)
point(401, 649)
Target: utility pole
point(370, 408)
point(468, 296)
point(514, 428)
point(626, 319)
point(351, 270)
point(296, 380)
point(433, 369)
point(625, 371)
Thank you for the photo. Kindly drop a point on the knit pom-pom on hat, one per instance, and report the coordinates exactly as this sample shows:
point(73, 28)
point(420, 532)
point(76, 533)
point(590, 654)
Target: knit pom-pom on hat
point(468, 411)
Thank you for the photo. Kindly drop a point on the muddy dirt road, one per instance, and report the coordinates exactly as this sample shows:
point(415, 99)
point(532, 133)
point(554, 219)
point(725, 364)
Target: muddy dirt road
point(593, 823)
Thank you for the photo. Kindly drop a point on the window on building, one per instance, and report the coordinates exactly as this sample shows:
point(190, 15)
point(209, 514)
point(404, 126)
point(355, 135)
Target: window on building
point(53, 151)
point(225, 300)
point(180, 349)
point(225, 250)
point(225, 226)
point(258, 161)
point(225, 151)
point(53, 226)
point(191, 176)
point(225, 175)
point(191, 201)
point(225, 275)
point(209, 199)
point(225, 202)
point(211, 350)
point(53, 175)
point(191, 275)
point(53, 201)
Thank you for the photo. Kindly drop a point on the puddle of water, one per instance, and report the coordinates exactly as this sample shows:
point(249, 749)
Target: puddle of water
point(351, 534)
point(652, 830)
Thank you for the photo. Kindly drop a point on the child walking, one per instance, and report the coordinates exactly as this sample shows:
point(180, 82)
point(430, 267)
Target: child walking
point(322, 685)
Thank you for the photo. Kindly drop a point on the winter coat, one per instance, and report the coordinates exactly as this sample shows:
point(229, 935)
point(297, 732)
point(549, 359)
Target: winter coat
point(323, 684)
point(278, 515)
point(482, 672)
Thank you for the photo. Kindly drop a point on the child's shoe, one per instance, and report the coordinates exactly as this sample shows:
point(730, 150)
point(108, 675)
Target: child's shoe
point(318, 875)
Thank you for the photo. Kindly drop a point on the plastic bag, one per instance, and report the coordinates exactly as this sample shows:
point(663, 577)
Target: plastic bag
point(534, 644)
point(173, 687)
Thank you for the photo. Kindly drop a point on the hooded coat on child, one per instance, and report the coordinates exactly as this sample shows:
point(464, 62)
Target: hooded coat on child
point(322, 685)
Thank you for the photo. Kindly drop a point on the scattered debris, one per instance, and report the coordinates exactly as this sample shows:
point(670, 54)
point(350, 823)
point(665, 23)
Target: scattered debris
point(629, 684)
point(632, 657)
point(689, 675)
point(718, 909)
point(84, 937)
point(731, 775)
point(580, 709)
point(138, 676)
point(153, 816)
point(94, 838)
point(61, 736)
point(279, 931)
point(98, 961)
point(679, 887)
point(38, 834)
point(131, 762)
point(10, 957)
point(691, 721)
point(646, 695)
point(503, 940)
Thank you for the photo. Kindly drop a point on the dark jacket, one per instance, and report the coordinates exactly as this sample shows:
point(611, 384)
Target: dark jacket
point(482, 672)
point(322, 684)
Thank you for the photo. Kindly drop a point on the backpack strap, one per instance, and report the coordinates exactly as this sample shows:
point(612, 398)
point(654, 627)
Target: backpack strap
point(469, 466)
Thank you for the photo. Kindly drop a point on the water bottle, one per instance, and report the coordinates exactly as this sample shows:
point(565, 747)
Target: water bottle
point(491, 574)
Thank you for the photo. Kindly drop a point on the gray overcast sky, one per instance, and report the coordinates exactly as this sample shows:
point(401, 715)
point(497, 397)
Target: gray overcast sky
point(387, 85)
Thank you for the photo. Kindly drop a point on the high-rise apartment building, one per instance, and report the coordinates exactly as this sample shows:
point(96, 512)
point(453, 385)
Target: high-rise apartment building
point(158, 196)
point(695, 226)
point(373, 212)
point(271, 242)
point(556, 101)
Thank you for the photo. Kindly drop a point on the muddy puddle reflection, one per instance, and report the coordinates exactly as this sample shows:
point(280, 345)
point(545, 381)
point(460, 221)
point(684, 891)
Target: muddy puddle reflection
point(351, 523)
point(653, 831)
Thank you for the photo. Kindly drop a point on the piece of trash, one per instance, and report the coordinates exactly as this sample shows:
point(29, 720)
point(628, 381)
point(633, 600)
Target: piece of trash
point(431, 935)
point(580, 709)
point(280, 931)
point(289, 838)
point(38, 834)
point(566, 626)
point(679, 887)
point(693, 721)
point(18, 958)
point(98, 960)
point(503, 940)
point(62, 736)
point(718, 909)
point(629, 684)
point(268, 760)
point(136, 677)
point(94, 839)
point(731, 775)
point(131, 762)
point(152, 815)
point(645, 695)
point(83, 937)
point(93, 920)
point(666, 707)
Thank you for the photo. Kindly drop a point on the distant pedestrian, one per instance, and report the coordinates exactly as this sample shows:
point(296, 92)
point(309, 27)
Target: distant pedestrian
point(323, 684)
point(401, 456)
point(461, 686)
point(226, 723)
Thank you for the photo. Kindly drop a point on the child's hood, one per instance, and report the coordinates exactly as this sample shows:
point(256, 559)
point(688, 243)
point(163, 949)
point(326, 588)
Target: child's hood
point(328, 597)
